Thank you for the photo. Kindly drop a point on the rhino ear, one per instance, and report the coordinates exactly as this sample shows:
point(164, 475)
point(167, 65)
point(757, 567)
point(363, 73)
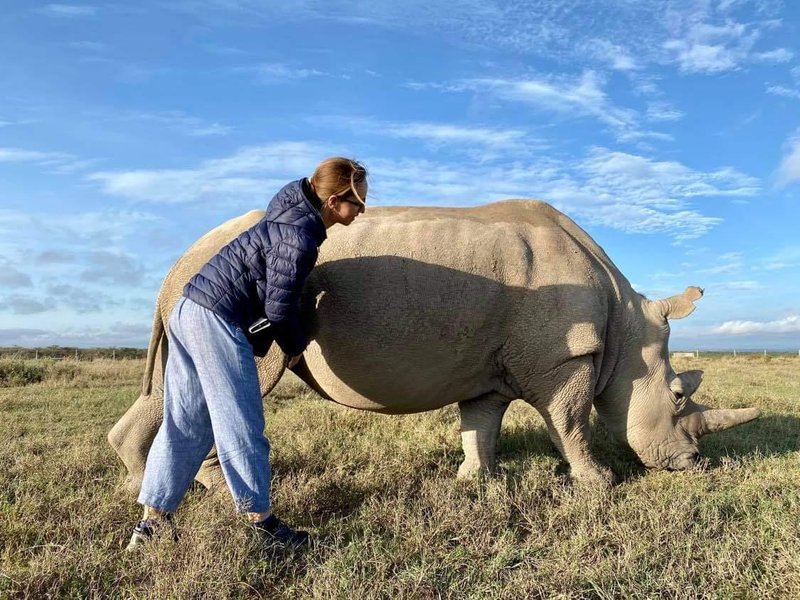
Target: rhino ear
point(682, 305)
point(685, 384)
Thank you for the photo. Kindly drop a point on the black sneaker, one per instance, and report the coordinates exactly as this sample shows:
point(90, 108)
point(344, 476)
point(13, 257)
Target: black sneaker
point(147, 529)
point(274, 532)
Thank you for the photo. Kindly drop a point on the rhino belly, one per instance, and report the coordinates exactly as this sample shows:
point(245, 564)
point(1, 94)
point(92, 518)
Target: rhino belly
point(399, 335)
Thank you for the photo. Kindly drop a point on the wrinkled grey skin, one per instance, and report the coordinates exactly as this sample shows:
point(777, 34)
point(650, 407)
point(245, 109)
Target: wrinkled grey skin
point(410, 309)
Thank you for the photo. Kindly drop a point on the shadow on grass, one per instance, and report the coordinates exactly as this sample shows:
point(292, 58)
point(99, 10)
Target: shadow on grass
point(769, 436)
point(336, 496)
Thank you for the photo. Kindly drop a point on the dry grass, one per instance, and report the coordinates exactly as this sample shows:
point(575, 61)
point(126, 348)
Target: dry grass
point(389, 519)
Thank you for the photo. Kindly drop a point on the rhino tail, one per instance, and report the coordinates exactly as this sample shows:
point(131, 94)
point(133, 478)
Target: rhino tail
point(157, 337)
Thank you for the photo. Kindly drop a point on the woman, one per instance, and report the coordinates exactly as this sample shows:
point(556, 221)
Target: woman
point(211, 389)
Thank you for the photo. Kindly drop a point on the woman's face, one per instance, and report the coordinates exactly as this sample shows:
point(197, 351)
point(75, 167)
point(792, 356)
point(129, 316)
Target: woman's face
point(345, 209)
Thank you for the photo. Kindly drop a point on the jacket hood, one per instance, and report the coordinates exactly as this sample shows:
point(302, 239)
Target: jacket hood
point(292, 206)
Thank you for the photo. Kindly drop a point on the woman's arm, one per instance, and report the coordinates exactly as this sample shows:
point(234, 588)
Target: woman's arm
point(288, 264)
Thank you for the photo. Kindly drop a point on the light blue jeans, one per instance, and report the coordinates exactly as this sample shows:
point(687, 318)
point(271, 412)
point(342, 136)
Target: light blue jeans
point(211, 395)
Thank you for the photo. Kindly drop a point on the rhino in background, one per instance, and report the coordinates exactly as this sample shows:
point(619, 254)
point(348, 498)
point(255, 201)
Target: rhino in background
point(411, 309)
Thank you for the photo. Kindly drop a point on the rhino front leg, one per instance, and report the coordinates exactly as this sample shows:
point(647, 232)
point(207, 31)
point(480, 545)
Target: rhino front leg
point(565, 405)
point(481, 418)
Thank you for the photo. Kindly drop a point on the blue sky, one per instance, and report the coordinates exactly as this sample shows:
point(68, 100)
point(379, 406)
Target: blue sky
point(668, 130)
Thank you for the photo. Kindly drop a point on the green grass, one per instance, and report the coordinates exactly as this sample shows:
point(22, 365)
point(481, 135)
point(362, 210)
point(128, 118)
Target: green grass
point(390, 520)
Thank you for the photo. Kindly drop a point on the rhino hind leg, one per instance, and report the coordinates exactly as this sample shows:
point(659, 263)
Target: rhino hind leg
point(481, 418)
point(132, 436)
point(565, 402)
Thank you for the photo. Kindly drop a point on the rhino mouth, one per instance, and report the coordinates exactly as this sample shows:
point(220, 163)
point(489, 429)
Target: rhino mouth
point(684, 461)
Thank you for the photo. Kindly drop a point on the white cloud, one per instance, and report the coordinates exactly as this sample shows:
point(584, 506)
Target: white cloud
point(181, 122)
point(779, 55)
point(790, 324)
point(119, 334)
point(730, 262)
point(697, 35)
point(703, 46)
point(747, 285)
point(581, 96)
point(68, 10)
point(21, 155)
point(23, 304)
point(56, 162)
point(247, 175)
point(89, 46)
point(11, 277)
point(502, 138)
point(271, 73)
point(613, 55)
point(93, 229)
point(484, 143)
point(783, 259)
point(779, 90)
point(623, 191)
point(789, 169)
point(663, 111)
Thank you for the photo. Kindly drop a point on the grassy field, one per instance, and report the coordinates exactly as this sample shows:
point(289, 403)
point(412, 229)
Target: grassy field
point(389, 519)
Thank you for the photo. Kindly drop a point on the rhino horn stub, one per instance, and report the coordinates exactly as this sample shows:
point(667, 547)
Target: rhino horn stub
point(720, 419)
point(681, 305)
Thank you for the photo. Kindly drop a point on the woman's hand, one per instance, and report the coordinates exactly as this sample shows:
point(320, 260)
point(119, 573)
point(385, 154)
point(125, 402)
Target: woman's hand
point(294, 360)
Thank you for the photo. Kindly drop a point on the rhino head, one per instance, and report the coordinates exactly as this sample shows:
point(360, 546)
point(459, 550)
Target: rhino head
point(649, 406)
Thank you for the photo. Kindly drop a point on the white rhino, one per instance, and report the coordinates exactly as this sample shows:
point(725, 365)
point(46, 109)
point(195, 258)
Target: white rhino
point(410, 309)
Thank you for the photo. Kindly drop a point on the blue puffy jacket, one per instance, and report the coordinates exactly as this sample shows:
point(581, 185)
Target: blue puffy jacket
point(261, 272)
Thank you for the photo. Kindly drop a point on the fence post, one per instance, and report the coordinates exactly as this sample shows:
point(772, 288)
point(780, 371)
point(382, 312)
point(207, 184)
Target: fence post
point(76, 354)
point(37, 354)
point(734, 353)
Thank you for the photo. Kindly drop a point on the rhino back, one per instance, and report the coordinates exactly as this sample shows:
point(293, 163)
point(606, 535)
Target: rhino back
point(417, 308)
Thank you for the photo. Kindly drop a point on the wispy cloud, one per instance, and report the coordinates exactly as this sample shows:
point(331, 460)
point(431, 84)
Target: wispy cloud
point(74, 298)
point(56, 162)
point(91, 229)
point(790, 324)
point(183, 123)
point(612, 55)
point(789, 169)
point(698, 36)
point(618, 190)
point(112, 267)
point(273, 73)
point(729, 262)
point(89, 46)
point(747, 285)
point(24, 304)
point(780, 90)
point(788, 257)
point(118, 333)
point(247, 175)
point(583, 95)
point(129, 73)
point(663, 111)
point(708, 47)
point(12, 277)
point(480, 142)
point(569, 97)
point(67, 10)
